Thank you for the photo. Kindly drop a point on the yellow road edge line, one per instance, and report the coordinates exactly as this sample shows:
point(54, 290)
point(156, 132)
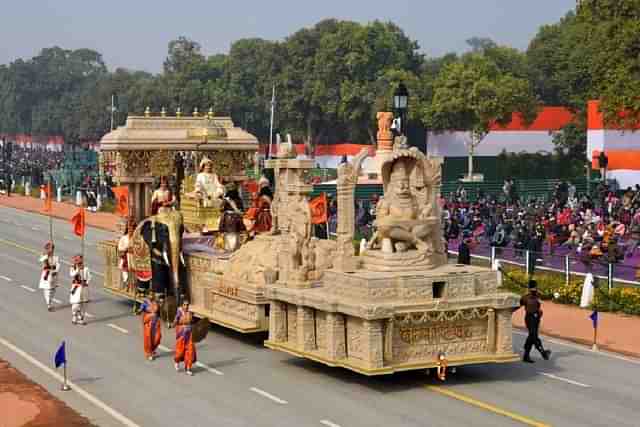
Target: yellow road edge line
point(33, 251)
point(486, 406)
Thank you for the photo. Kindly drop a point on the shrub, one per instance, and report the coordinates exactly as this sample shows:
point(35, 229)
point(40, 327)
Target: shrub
point(620, 299)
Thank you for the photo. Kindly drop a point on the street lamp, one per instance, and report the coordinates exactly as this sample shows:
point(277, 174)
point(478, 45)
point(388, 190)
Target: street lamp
point(400, 104)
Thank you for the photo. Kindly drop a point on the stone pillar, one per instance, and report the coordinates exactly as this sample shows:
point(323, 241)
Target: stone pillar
point(372, 343)
point(306, 329)
point(336, 348)
point(491, 330)
point(504, 339)
point(277, 322)
point(348, 173)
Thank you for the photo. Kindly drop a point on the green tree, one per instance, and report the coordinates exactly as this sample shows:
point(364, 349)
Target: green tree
point(472, 94)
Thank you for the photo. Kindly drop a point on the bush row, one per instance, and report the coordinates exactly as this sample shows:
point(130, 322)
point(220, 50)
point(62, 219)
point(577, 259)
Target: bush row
point(552, 286)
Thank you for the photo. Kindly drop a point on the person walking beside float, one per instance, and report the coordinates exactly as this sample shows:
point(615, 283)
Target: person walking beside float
point(49, 275)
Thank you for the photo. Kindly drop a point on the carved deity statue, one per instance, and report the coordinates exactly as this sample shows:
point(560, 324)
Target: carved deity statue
point(384, 125)
point(402, 222)
point(208, 189)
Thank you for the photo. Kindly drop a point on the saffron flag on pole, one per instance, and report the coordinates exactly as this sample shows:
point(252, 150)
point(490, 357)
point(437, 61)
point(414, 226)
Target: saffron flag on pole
point(594, 319)
point(122, 199)
point(78, 222)
point(48, 198)
point(61, 356)
point(319, 209)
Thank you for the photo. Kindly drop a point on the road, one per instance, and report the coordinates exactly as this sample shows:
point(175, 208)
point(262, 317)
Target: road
point(241, 383)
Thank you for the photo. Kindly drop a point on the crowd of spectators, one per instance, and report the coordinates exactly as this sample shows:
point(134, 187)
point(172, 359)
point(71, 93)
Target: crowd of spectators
point(602, 227)
point(31, 163)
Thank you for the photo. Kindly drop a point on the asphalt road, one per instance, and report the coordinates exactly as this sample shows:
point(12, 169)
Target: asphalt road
point(241, 383)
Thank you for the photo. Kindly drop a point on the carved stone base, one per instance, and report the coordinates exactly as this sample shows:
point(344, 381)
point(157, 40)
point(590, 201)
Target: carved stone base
point(411, 260)
point(382, 322)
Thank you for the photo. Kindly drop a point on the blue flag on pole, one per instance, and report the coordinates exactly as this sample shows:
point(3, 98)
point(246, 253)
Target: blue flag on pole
point(594, 319)
point(61, 356)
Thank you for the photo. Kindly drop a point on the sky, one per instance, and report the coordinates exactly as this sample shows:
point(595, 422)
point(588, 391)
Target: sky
point(134, 34)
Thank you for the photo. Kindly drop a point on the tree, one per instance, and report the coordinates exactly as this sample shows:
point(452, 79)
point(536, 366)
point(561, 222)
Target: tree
point(472, 94)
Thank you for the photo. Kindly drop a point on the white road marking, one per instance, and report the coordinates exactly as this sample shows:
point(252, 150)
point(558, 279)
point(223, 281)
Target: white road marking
point(213, 371)
point(35, 228)
point(57, 301)
point(163, 348)
point(89, 315)
point(329, 423)
point(268, 395)
point(585, 349)
point(26, 288)
point(91, 398)
point(117, 328)
point(8, 279)
point(566, 380)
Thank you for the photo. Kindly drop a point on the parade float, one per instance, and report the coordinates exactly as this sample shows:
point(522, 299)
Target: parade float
point(396, 305)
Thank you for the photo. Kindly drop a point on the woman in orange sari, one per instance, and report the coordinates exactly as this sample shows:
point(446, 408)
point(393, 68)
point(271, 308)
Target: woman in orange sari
point(185, 347)
point(152, 327)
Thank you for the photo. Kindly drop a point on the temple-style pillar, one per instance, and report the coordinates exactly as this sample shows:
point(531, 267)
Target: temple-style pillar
point(306, 329)
point(348, 173)
point(336, 348)
point(504, 339)
point(491, 330)
point(373, 351)
point(277, 322)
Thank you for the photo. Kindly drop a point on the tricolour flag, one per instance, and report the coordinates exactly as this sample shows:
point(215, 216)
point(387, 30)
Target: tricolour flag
point(60, 357)
point(594, 319)
point(78, 222)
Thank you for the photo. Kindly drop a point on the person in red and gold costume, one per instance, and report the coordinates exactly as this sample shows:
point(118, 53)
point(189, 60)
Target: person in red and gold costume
point(257, 219)
point(151, 327)
point(185, 347)
point(162, 197)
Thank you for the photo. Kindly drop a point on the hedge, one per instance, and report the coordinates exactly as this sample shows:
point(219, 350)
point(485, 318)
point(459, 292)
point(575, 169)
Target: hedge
point(551, 286)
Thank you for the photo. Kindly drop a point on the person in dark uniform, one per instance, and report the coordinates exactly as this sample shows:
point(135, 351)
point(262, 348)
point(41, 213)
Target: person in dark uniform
point(533, 315)
point(464, 252)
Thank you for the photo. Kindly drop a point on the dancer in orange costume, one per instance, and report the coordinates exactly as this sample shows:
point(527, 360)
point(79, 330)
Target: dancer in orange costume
point(152, 327)
point(185, 347)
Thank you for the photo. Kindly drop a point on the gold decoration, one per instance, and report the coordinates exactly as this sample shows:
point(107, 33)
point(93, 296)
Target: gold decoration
point(163, 112)
point(210, 113)
point(147, 112)
point(161, 163)
point(179, 112)
point(195, 112)
point(133, 163)
point(227, 163)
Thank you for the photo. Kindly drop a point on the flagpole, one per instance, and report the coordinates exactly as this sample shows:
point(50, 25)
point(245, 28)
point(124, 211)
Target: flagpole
point(273, 106)
point(65, 386)
point(50, 206)
point(594, 347)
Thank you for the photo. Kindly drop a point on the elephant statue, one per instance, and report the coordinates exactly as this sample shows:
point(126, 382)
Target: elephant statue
point(157, 249)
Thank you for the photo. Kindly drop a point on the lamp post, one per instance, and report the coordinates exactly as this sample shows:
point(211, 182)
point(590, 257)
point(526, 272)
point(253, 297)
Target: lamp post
point(400, 105)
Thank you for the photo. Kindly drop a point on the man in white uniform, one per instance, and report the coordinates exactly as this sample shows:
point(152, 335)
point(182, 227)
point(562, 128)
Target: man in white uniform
point(49, 275)
point(80, 277)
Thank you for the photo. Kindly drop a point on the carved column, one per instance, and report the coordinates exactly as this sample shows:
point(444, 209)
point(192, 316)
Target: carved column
point(504, 341)
point(372, 343)
point(277, 322)
point(336, 348)
point(346, 185)
point(491, 330)
point(306, 329)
